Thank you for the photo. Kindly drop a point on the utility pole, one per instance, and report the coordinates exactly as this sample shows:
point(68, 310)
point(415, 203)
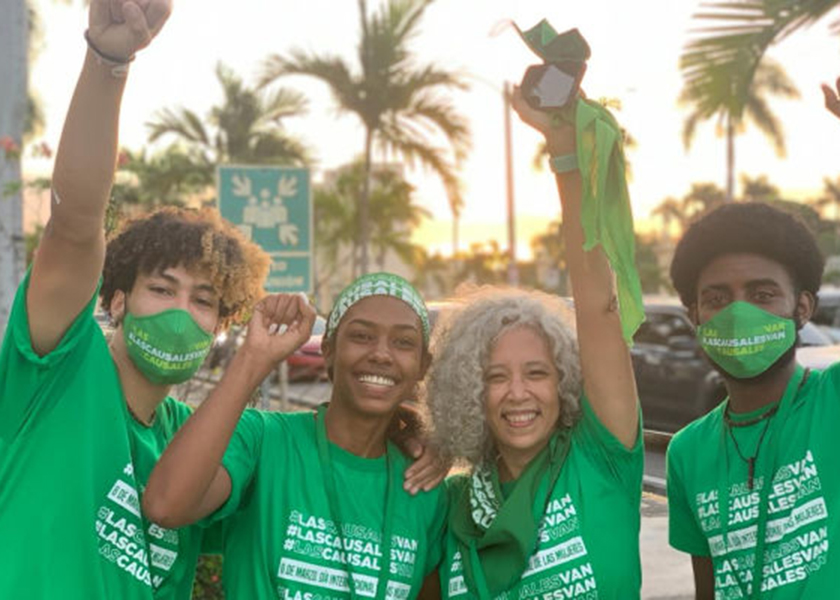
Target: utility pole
point(13, 106)
point(513, 270)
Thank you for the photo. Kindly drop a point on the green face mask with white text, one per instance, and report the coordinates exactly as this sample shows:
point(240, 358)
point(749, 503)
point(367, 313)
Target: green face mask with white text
point(745, 340)
point(167, 347)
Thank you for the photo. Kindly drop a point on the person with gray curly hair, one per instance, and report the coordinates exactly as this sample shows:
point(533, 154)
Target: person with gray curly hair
point(548, 422)
point(462, 342)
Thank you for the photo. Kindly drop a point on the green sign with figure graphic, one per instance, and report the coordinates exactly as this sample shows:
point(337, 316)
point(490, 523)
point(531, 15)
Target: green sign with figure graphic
point(272, 206)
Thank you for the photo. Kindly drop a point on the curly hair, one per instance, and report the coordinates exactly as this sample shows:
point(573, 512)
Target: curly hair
point(461, 345)
point(194, 239)
point(751, 228)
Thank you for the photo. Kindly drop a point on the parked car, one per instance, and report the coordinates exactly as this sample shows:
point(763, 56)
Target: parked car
point(676, 382)
point(827, 315)
point(307, 362)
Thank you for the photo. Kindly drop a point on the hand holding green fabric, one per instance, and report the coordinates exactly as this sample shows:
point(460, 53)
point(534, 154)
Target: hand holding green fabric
point(596, 138)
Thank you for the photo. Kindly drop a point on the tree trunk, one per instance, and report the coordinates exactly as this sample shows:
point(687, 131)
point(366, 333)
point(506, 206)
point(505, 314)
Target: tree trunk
point(730, 159)
point(455, 225)
point(13, 105)
point(364, 204)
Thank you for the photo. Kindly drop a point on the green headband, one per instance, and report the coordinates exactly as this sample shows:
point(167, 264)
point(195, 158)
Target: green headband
point(379, 284)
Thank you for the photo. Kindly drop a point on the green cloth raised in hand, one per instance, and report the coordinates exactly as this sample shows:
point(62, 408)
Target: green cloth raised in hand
point(606, 215)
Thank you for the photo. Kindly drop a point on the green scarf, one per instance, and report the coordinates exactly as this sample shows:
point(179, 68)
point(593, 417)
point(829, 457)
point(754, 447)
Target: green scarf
point(496, 537)
point(606, 216)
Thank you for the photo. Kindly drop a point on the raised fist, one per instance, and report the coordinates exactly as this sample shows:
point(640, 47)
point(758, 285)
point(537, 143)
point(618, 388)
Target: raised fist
point(119, 28)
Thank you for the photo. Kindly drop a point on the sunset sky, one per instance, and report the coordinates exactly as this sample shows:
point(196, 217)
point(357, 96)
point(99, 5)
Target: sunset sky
point(635, 52)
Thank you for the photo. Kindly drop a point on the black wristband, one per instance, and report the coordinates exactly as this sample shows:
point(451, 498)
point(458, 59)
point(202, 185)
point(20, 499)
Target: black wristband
point(111, 61)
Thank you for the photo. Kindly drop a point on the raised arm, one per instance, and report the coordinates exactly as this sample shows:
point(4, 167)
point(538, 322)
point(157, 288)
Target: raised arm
point(605, 359)
point(72, 251)
point(189, 482)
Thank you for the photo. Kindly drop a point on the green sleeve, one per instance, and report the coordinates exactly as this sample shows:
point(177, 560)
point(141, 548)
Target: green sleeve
point(27, 381)
point(684, 531)
point(240, 461)
point(437, 531)
point(625, 465)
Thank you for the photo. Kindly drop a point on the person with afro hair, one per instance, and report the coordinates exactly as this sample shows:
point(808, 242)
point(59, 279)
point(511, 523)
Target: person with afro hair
point(753, 486)
point(83, 419)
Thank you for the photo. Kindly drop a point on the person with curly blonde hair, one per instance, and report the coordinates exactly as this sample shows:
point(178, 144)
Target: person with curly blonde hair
point(548, 424)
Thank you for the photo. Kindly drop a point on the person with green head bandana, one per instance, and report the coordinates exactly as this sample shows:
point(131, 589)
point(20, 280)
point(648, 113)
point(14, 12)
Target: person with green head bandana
point(547, 421)
point(753, 486)
point(314, 503)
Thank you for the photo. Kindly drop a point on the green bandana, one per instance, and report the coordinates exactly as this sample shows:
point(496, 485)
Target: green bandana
point(745, 340)
point(496, 538)
point(606, 215)
point(379, 284)
point(167, 347)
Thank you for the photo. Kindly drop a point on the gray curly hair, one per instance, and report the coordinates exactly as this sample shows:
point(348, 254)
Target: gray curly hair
point(461, 345)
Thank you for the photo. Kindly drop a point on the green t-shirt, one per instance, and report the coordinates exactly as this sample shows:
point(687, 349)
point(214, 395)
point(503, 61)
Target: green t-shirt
point(801, 513)
point(589, 537)
point(173, 553)
point(70, 524)
point(281, 540)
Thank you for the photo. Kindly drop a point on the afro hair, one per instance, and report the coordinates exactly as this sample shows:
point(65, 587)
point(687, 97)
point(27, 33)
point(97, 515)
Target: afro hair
point(199, 240)
point(750, 228)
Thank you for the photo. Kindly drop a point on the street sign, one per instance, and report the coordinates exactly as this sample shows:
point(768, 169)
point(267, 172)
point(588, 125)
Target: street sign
point(273, 207)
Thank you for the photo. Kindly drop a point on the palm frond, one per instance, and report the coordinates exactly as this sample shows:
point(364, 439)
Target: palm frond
point(331, 70)
point(181, 122)
point(759, 113)
point(281, 103)
point(416, 150)
point(733, 36)
point(690, 127)
point(441, 116)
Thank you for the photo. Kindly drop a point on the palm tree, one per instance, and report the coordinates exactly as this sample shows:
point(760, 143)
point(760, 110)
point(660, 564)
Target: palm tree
point(671, 210)
point(432, 273)
point(758, 189)
point(701, 198)
point(393, 97)
point(721, 97)
point(830, 197)
point(734, 35)
point(247, 127)
point(393, 215)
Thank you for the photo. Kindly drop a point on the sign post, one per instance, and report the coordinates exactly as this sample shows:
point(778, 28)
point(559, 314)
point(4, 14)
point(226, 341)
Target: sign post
point(272, 206)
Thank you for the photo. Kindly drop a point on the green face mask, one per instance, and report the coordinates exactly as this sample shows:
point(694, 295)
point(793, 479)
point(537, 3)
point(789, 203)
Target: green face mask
point(744, 340)
point(167, 347)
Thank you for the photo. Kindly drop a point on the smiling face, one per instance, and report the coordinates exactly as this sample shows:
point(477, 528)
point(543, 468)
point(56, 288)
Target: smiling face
point(522, 405)
point(377, 356)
